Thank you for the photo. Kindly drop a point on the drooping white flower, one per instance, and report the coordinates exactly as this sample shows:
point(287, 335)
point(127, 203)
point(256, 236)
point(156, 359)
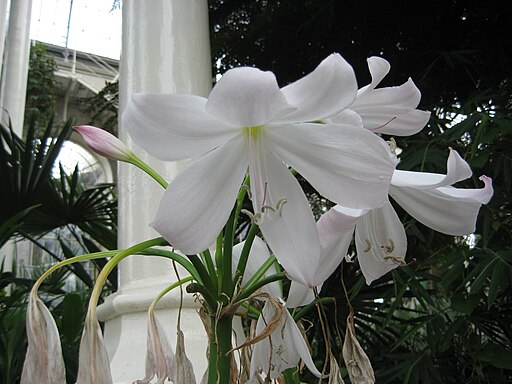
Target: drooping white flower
point(430, 198)
point(390, 110)
point(93, 365)
point(283, 348)
point(247, 122)
point(43, 363)
point(160, 359)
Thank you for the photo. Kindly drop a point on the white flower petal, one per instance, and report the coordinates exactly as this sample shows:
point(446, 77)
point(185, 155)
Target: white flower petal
point(447, 210)
point(258, 254)
point(247, 97)
point(94, 365)
point(292, 332)
point(387, 121)
point(299, 295)
point(197, 204)
point(380, 241)
point(346, 164)
point(43, 362)
point(333, 255)
point(406, 95)
point(457, 169)
point(379, 68)
point(291, 231)
point(283, 349)
point(173, 127)
point(329, 89)
point(336, 222)
point(347, 117)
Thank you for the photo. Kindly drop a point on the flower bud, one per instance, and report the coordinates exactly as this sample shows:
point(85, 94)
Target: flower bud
point(104, 143)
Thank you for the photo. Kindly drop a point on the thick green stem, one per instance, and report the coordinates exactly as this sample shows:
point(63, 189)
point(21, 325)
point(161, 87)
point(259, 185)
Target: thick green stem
point(219, 364)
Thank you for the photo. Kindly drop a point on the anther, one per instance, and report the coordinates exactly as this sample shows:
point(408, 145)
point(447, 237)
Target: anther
point(248, 189)
point(265, 207)
point(392, 145)
point(368, 246)
point(280, 204)
point(250, 214)
point(397, 260)
point(388, 248)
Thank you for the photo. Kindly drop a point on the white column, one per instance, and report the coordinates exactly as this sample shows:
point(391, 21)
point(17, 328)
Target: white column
point(4, 6)
point(15, 71)
point(165, 49)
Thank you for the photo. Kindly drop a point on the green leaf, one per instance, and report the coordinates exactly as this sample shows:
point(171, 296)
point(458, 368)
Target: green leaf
point(72, 316)
point(496, 355)
point(463, 304)
point(498, 280)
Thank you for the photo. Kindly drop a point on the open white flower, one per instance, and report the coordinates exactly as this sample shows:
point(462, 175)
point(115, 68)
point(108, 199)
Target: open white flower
point(43, 362)
point(390, 110)
point(247, 122)
point(430, 198)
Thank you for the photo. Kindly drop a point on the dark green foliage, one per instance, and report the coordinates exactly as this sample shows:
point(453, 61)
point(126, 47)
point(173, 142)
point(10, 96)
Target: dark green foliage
point(103, 107)
point(445, 318)
point(41, 86)
point(27, 183)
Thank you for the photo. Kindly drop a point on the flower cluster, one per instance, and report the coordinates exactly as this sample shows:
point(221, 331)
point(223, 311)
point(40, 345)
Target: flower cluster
point(249, 131)
point(324, 128)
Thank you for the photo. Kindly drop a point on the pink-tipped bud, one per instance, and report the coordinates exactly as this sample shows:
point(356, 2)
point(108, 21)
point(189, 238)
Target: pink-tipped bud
point(104, 143)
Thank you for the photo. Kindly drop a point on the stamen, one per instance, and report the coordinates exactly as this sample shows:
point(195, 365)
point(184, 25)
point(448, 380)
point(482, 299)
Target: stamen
point(280, 204)
point(248, 190)
point(265, 207)
point(258, 218)
point(392, 145)
point(397, 260)
point(248, 213)
point(368, 246)
point(388, 248)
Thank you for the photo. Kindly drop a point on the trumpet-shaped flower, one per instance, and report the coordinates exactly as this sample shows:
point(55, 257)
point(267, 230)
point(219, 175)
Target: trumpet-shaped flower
point(43, 362)
point(430, 198)
point(248, 122)
point(389, 110)
point(283, 348)
point(160, 360)
point(94, 365)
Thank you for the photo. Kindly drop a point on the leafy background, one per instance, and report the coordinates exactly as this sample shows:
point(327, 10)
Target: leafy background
point(444, 318)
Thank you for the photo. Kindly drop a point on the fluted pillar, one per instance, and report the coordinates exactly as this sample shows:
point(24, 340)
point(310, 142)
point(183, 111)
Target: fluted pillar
point(165, 49)
point(15, 65)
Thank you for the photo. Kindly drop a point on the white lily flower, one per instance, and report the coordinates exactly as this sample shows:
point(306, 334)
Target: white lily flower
point(94, 365)
point(389, 110)
point(248, 122)
point(43, 362)
point(380, 238)
point(284, 347)
point(160, 360)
